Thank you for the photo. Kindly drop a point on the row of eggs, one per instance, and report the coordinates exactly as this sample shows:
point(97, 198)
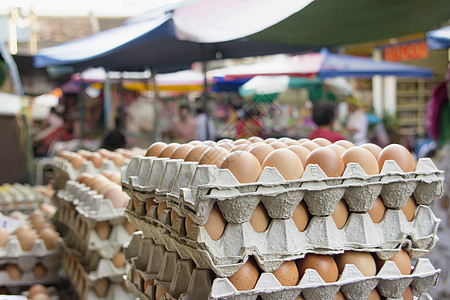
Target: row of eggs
point(246, 158)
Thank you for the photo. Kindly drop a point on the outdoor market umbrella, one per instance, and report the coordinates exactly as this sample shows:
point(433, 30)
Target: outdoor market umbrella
point(323, 65)
point(439, 38)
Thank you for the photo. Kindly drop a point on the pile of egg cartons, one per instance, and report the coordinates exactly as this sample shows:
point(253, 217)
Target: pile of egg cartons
point(91, 215)
point(229, 207)
point(21, 197)
point(69, 165)
point(30, 249)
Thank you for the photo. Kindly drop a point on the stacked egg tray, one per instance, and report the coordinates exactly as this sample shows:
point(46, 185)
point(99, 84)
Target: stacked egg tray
point(192, 189)
point(84, 282)
point(153, 263)
point(79, 211)
point(65, 170)
point(19, 197)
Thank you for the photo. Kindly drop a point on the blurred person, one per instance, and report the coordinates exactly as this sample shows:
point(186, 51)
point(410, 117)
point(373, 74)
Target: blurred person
point(140, 122)
point(357, 124)
point(249, 123)
point(323, 114)
point(184, 130)
point(206, 130)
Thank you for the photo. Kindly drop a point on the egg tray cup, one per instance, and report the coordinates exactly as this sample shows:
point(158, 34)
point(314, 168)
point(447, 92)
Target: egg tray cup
point(64, 167)
point(283, 241)
point(19, 197)
point(28, 278)
point(195, 188)
point(152, 261)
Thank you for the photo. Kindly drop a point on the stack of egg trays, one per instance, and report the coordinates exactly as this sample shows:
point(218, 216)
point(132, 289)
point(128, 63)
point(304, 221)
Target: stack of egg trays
point(91, 208)
point(84, 282)
point(185, 280)
point(192, 190)
point(65, 171)
point(12, 253)
point(19, 197)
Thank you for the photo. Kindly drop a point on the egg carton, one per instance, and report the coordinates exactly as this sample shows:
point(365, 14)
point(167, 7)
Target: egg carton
point(168, 269)
point(19, 197)
point(13, 251)
point(197, 187)
point(28, 278)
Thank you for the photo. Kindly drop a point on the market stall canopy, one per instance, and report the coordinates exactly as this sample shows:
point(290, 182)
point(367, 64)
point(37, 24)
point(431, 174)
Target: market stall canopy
point(323, 65)
point(170, 38)
point(439, 38)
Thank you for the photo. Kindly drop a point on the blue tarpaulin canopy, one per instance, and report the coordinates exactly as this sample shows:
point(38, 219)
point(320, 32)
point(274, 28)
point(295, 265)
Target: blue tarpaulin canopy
point(439, 38)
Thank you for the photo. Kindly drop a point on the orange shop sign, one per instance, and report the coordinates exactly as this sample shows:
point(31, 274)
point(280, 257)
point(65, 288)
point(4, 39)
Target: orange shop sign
point(408, 51)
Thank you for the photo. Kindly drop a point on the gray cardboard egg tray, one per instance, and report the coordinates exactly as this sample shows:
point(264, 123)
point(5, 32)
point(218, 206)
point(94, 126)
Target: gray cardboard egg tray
point(153, 261)
point(282, 241)
point(63, 166)
point(28, 278)
point(195, 188)
point(84, 286)
point(19, 197)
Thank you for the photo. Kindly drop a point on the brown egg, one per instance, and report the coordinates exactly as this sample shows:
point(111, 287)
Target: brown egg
point(340, 214)
point(168, 150)
point(13, 271)
point(209, 143)
point(155, 149)
point(409, 209)
point(161, 206)
point(40, 296)
point(188, 223)
point(195, 143)
point(270, 140)
point(196, 153)
point(119, 259)
point(118, 198)
point(76, 160)
point(181, 151)
point(400, 155)
point(363, 157)
point(96, 158)
point(402, 261)
point(243, 165)
point(241, 141)
point(129, 227)
point(40, 271)
point(302, 140)
point(27, 237)
point(299, 297)
point(301, 216)
point(105, 188)
point(246, 276)
point(160, 291)
point(17, 215)
point(216, 223)
point(286, 162)
point(339, 149)
point(98, 181)
point(301, 152)
point(363, 261)
point(103, 152)
point(285, 139)
point(225, 145)
point(101, 287)
point(292, 143)
point(48, 209)
point(374, 295)
point(50, 238)
point(103, 229)
point(3, 237)
point(278, 145)
point(374, 149)
point(173, 216)
point(287, 273)
point(328, 160)
point(241, 147)
point(260, 219)
point(344, 143)
point(24, 227)
point(310, 145)
point(213, 156)
point(149, 203)
point(338, 296)
point(377, 211)
point(255, 139)
point(408, 293)
point(323, 264)
point(260, 151)
point(65, 154)
point(37, 289)
point(321, 141)
point(147, 283)
point(84, 178)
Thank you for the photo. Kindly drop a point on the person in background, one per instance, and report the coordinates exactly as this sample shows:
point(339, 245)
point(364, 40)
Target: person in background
point(184, 130)
point(206, 129)
point(249, 123)
point(323, 115)
point(357, 124)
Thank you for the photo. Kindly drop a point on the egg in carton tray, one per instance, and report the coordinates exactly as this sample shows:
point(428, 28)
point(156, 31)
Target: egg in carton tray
point(104, 283)
point(25, 274)
point(151, 261)
point(270, 248)
point(198, 187)
point(18, 197)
